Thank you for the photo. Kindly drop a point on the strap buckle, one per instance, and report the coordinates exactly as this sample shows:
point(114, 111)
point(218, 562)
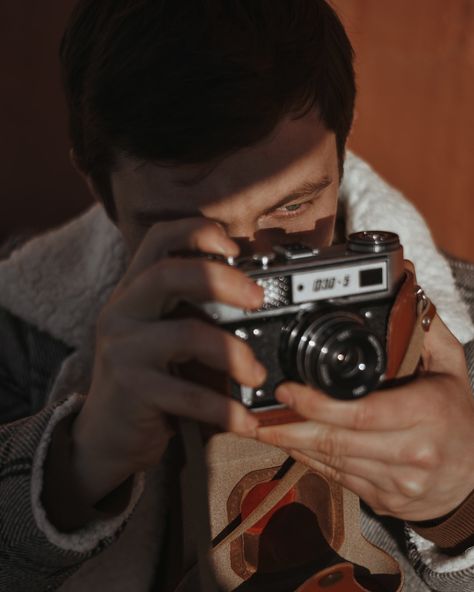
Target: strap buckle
point(425, 308)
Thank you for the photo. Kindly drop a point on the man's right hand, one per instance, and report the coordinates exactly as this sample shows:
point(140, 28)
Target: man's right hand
point(123, 427)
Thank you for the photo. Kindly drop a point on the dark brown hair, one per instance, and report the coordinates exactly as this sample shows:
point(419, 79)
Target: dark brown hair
point(191, 81)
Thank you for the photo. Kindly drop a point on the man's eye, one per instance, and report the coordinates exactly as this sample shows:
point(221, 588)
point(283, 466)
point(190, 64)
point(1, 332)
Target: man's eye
point(292, 207)
point(292, 210)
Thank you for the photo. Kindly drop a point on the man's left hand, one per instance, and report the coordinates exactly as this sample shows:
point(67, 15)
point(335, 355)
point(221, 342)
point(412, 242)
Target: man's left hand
point(407, 451)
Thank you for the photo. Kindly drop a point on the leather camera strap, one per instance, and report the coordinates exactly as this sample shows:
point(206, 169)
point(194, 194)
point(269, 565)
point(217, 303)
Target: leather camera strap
point(337, 578)
point(426, 311)
point(200, 519)
point(195, 509)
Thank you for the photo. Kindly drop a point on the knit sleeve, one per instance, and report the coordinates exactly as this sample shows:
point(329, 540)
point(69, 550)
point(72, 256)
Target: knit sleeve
point(443, 553)
point(34, 554)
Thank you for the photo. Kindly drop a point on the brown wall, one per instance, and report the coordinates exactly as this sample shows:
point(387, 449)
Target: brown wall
point(415, 113)
point(415, 110)
point(38, 187)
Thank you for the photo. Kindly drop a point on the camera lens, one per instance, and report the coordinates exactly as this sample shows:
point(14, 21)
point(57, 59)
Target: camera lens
point(348, 361)
point(333, 351)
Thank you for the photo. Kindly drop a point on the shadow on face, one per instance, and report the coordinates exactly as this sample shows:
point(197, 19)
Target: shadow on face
point(263, 241)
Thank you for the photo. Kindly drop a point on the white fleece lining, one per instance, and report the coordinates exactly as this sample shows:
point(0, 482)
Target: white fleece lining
point(371, 204)
point(59, 281)
point(88, 537)
point(438, 561)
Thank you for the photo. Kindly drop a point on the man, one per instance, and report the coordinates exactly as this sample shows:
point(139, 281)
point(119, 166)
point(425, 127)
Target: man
point(213, 127)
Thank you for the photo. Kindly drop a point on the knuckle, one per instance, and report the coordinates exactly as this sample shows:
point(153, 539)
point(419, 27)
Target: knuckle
point(410, 488)
point(388, 504)
point(334, 474)
point(425, 456)
point(327, 442)
point(336, 462)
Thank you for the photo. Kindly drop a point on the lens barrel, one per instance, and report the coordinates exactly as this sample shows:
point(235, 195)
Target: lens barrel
point(333, 351)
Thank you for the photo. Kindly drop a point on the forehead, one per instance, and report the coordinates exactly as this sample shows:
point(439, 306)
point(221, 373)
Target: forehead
point(298, 151)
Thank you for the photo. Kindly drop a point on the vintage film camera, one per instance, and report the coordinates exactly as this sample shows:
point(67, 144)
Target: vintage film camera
point(337, 318)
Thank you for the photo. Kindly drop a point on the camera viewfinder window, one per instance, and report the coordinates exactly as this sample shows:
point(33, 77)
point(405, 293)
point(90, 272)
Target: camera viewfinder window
point(370, 277)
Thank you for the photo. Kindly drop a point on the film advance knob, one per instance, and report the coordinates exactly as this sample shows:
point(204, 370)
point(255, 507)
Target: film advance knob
point(373, 241)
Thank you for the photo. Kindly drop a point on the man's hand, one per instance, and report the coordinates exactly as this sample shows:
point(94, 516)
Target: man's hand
point(408, 451)
point(123, 426)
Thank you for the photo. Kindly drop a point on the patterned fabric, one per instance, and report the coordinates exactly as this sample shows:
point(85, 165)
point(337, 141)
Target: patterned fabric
point(28, 561)
point(464, 278)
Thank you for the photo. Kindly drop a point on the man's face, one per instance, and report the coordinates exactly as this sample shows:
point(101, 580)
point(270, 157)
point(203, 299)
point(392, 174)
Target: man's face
point(284, 185)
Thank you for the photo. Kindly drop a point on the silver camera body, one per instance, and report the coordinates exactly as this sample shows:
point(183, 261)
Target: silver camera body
point(324, 318)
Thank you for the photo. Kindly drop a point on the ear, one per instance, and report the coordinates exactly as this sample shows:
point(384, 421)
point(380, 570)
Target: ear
point(85, 177)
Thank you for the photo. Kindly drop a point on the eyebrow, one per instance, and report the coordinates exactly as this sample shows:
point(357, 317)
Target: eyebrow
point(143, 216)
point(307, 188)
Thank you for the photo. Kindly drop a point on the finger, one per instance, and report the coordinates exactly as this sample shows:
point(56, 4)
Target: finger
point(154, 292)
point(397, 495)
point(192, 339)
point(409, 265)
point(358, 485)
point(399, 480)
point(176, 396)
point(374, 471)
point(391, 409)
point(445, 353)
point(194, 234)
point(389, 447)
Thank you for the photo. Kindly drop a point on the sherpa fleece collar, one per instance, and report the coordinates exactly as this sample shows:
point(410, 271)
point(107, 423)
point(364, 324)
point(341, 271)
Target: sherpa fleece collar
point(59, 281)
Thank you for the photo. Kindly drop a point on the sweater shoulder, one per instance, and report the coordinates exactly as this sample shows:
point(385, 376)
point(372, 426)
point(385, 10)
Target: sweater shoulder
point(463, 272)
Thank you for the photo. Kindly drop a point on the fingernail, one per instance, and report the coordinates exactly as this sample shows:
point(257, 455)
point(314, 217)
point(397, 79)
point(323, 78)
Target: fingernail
point(260, 372)
point(251, 425)
point(255, 293)
point(283, 394)
point(228, 248)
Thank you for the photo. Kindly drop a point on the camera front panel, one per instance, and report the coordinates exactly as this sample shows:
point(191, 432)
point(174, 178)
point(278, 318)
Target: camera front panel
point(354, 336)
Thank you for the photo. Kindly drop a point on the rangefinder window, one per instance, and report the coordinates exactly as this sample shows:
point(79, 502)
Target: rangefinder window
point(371, 277)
